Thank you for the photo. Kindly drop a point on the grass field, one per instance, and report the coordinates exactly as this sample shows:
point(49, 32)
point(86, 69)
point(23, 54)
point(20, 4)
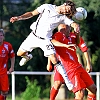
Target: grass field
point(18, 97)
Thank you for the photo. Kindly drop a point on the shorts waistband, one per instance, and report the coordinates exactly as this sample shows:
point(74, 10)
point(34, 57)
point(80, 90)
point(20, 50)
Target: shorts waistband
point(38, 36)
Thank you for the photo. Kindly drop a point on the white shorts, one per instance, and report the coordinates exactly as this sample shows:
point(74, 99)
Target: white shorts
point(32, 42)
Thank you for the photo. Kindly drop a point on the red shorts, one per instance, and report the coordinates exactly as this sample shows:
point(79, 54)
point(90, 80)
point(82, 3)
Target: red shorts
point(4, 83)
point(79, 77)
point(57, 76)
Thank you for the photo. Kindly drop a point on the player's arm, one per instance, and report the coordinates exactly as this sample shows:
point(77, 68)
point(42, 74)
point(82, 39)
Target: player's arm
point(76, 31)
point(25, 16)
point(84, 49)
point(76, 27)
point(87, 57)
point(59, 44)
point(77, 39)
point(12, 64)
point(49, 65)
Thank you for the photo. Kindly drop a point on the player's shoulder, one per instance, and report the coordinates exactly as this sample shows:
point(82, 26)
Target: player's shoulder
point(7, 43)
point(47, 5)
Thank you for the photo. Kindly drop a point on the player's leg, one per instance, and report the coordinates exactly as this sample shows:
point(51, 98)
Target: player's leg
point(79, 95)
point(4, 86)
point(49, 51)
point(61, 70)
point(4, 95)
point(91, 92)
point(58, 80)
point(90, 86)
point(79, 84)
point(1, 97)
point(25, 57)
point(25, 47)
point(54, 90)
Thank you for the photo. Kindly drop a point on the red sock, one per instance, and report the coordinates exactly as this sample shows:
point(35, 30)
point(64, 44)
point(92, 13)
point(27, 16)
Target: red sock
point(53, 93)
point(91, 97)
point(2, 97)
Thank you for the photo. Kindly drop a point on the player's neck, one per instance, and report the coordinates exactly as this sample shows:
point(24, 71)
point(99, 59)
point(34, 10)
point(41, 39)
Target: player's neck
point(1, 43)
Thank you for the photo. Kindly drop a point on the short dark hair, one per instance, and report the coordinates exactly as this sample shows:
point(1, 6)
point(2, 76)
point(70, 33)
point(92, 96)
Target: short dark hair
point(73, 7)
point(2, 31)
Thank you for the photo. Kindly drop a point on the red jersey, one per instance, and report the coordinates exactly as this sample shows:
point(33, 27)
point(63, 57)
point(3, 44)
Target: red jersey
point(68, 57)
point(6, 52)
point(82, 45)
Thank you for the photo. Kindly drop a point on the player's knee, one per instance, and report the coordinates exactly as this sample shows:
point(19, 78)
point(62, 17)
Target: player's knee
point(79, 95)
point(20, 53)
point(57, 84)
point(92, 89)
point(4, 93)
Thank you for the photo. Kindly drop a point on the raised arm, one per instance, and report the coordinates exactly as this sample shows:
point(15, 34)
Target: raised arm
point(77, 38)
point(76, 27)
point(25, 16)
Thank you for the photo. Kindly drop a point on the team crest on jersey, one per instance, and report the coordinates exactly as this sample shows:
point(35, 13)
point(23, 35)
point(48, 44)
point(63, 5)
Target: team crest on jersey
point(3, 51)
point(3, 54)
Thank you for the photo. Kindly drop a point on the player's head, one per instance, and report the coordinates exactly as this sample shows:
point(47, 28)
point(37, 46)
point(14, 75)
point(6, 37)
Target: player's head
point(69, 9)
point(64, 29)
point(2, 34)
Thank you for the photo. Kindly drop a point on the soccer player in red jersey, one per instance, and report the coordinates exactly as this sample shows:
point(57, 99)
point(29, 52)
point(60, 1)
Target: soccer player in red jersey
point(6, 52)
point(76, 73)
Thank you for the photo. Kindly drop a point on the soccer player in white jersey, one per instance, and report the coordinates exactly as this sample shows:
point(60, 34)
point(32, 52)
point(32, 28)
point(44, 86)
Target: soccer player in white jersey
point(50, 16)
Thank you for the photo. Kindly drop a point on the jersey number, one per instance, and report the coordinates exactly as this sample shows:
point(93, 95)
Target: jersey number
point(49, 47)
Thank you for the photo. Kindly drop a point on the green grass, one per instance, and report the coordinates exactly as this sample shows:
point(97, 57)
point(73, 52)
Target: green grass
point(18, 97)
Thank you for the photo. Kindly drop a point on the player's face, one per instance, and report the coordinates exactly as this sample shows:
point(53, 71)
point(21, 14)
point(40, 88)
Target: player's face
point(1, 37)
point(65, 9)
point(64, 29)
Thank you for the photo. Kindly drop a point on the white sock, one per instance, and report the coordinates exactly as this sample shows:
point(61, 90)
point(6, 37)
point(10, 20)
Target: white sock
point(62, 71)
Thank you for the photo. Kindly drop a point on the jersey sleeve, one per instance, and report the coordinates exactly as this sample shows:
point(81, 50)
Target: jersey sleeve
point(11, 51)
point(41, 8)
point(82, 45)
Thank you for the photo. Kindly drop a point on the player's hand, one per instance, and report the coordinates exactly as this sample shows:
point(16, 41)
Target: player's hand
point(11, 69)
point(49, 67)
point(70, 46)
point(13, 19)
point(89, 69)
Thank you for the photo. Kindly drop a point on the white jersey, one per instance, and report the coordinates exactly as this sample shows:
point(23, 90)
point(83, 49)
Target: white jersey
point(48, 20)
